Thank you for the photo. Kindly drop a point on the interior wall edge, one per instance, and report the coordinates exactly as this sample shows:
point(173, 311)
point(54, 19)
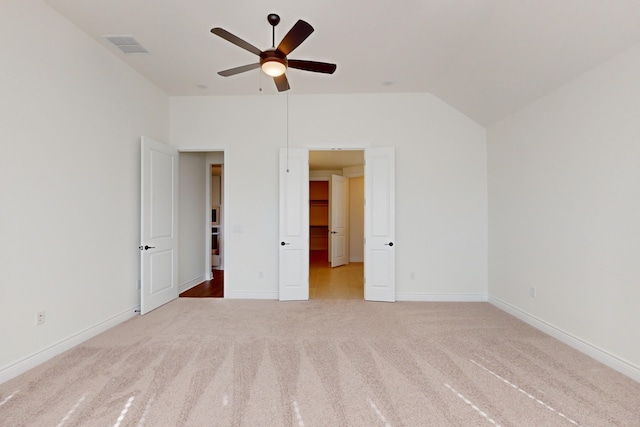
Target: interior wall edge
point(434, 297)
point(251, 295)
point(193, 283)
point(13, 370)
point(611, 360)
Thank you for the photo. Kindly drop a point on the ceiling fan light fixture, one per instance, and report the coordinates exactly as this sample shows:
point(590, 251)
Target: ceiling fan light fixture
point(273, 67)
point(273, 61)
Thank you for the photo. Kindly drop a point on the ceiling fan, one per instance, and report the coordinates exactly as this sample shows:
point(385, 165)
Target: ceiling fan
point(274, 61)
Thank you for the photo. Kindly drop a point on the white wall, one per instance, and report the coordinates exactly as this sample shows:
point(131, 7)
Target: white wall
point(356, 219)
point(564, 211)
point(192, 217)
point(563, 179)
point(71, 118)
point(441, 193)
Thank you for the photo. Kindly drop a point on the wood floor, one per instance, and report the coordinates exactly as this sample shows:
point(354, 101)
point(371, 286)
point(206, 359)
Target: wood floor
point(344, 282)
point(213, 288)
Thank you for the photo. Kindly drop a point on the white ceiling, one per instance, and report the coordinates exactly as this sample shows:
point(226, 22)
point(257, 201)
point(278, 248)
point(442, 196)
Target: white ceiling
point(335, 159)
point(486, 58)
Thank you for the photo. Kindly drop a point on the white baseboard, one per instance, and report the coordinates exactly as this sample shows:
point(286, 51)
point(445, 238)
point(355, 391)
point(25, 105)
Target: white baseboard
point(193, 282)
point(428, 297)
point(251, 295)
point(11, 371)
point(590, 350)
point(424, 297)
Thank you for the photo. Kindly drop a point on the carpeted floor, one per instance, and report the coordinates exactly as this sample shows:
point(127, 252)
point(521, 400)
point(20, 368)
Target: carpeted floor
point(216, 362)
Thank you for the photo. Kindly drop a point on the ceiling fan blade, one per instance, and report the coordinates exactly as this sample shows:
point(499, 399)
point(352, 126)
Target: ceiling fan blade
point(296, 35)
point(317, 67)
point(235, 40)
point(238, 70)
point(281, 83)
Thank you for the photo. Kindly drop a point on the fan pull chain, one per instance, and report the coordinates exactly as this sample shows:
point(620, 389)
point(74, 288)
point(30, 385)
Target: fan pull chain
point(287, 132)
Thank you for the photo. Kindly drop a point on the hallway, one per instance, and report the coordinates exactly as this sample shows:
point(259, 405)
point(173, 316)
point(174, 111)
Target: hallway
point(344, 282)
point(213, 288)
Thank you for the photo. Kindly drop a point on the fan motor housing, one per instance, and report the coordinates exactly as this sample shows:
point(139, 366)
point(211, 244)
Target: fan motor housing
point(273, 55)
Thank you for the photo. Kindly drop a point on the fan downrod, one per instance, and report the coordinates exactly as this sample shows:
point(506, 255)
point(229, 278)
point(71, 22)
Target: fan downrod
point(274, 19)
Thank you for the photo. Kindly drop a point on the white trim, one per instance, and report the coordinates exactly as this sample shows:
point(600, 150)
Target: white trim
point(601, 355)
point(429, 297)
point(11, 371)
point(419, 297)
point(252, 295)
point(193, 282)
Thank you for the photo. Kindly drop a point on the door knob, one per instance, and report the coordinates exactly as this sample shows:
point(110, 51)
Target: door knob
point(284, 243)
point(146, 247)
point(389, 244)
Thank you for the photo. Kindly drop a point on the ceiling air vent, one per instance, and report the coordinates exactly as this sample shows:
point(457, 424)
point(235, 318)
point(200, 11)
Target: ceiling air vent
point(126, 44)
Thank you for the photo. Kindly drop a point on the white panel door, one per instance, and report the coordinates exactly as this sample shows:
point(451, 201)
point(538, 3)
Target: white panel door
point(379, 224)
point(339, 220)
point(294, 224)
point(159, 226)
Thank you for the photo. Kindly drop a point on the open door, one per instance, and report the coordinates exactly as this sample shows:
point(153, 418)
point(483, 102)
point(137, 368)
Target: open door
point(379, 224)
point(159, 226)
point(294, 224)
point(339, 220)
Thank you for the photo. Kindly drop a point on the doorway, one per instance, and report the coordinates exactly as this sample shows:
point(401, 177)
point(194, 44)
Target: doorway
point(379, 224)
point(204, 222)
point(336, 224)
point(217, 211)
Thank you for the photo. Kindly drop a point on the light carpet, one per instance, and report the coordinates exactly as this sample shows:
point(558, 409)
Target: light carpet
point(216, 362)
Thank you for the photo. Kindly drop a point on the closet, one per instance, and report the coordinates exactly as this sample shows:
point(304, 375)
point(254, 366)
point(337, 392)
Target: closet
point(319, 215)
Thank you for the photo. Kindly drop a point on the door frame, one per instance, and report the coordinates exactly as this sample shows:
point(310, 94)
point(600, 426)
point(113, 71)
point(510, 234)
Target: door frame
point(225, 192)
point(342, 148)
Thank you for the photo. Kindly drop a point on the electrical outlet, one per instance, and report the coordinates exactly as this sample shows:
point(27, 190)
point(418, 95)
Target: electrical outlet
point(533, 291)
point(39, 318)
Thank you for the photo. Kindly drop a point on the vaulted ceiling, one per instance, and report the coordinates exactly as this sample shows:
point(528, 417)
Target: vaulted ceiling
point(486, 58)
